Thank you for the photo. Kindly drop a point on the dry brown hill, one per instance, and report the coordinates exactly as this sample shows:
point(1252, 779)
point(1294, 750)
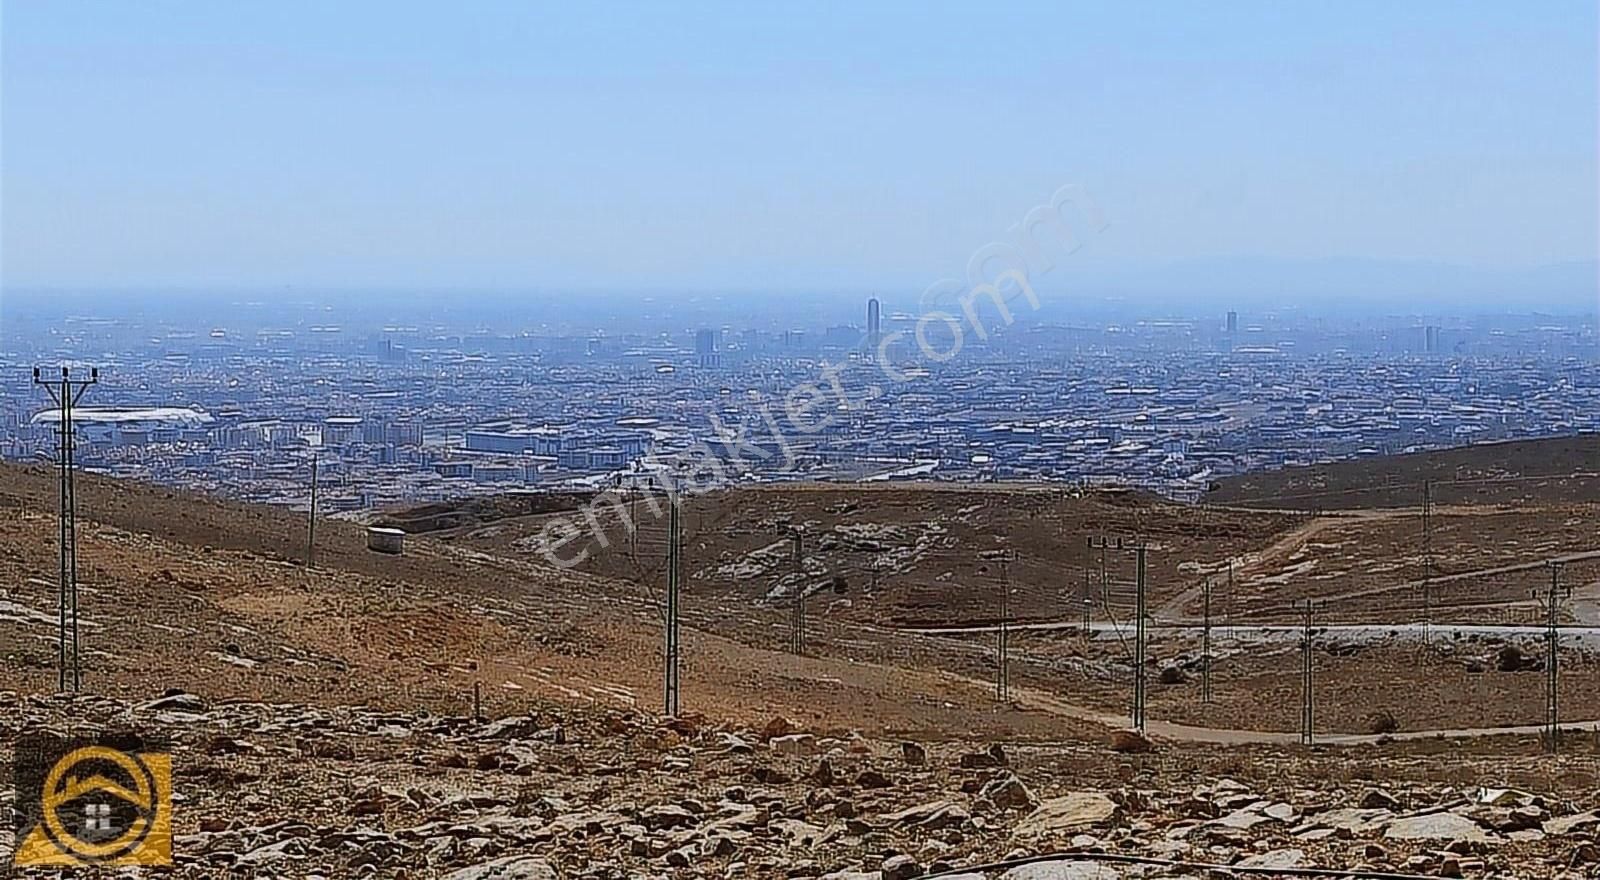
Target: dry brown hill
point(1557, 469)
point(179, 590)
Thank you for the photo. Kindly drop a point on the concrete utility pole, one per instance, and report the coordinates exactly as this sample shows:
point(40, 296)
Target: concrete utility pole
point(1205, 644)
point(1139, 671)
point(1227, 608)
point(1427, 562)
point(1552, 691)
point(65, 393)
point(1308, 607)
point(1088, 604)
point(797, 609)
point(311, 519)
point(1002, 683)
point(674, 576)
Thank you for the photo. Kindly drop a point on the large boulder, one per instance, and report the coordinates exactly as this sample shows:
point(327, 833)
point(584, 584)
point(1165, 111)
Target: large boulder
point(1069, 813)
point(1439, 826)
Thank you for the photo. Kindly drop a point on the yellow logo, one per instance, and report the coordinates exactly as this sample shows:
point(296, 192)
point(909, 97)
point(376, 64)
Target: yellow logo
point(98, 805)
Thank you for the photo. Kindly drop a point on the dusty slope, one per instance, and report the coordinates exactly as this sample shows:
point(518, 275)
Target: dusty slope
point(208, 595)
point(913, 554)
point(1558, 469)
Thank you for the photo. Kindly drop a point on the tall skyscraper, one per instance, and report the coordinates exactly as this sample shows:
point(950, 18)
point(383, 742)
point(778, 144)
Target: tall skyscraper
point(705, 347)
point(1233, 323)
point(874, 327)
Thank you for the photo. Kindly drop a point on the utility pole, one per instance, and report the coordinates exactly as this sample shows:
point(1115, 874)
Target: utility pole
point(65, 393)
point(797, 609)
point(311, 518)
point(1139, 671)
point(1088, 604)
point(1227, 608)
point(1427, 562)
point(1308, 608)
point(1552, 602)
point(1205, 644)
point(1102, 545)
point(1140, 674)
point(674, 575)
point(1002, 682)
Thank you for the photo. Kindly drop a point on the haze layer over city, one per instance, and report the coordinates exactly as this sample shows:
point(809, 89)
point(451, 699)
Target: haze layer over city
point(1020, 441)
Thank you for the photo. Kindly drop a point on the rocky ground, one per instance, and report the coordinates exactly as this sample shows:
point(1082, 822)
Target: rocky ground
point(282, 790)
point(322, 727)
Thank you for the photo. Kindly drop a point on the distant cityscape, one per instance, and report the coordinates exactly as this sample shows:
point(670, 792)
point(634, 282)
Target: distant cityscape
point(400, 412)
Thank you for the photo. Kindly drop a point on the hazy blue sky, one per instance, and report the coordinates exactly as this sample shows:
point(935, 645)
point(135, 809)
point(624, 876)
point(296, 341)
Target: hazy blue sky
point(780, 145)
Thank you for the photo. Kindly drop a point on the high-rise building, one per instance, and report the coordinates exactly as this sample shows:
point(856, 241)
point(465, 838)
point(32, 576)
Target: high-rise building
point(705, 347)
point(874, 327)
point(1431, 339)
point(1233, 323)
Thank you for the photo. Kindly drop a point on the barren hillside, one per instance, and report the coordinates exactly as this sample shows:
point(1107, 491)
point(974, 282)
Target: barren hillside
point(1558, 469)
point(308, 680)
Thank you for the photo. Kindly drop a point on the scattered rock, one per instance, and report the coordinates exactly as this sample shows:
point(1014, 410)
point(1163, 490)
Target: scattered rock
point(1378, 799)
point(1438, 826)
point(794, 744)
point(777, 726)
point(1066, 869)
point(901, 867)
point(1008, 793)
point(993, 756)
point(1073, 812)
point(1381, 721)
point(508, 868)
point(1130, 741)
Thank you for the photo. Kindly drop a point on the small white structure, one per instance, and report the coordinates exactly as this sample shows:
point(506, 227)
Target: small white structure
point(384, 540)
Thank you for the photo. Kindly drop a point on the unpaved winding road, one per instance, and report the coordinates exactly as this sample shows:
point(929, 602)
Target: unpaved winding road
point(1032, 698)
